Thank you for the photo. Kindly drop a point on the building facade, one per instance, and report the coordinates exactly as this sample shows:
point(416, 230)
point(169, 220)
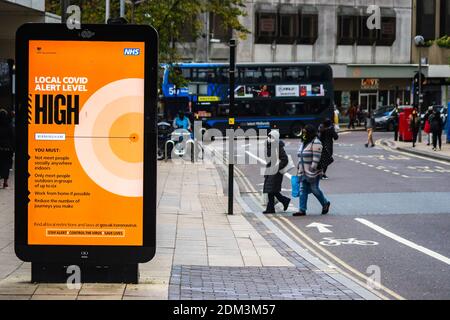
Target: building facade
point(371, 67)
point(431, 19)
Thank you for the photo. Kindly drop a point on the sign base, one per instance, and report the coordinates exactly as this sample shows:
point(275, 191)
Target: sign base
point(57, 273)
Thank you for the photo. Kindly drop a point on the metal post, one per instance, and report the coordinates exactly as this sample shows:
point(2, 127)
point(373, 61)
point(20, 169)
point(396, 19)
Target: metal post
point(231, 127)
point(64, 5)
point(107, 10)
point(122, 8)
point(420, 94)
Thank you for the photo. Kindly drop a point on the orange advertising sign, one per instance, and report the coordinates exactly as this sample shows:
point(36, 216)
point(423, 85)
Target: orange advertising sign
point(85, 133)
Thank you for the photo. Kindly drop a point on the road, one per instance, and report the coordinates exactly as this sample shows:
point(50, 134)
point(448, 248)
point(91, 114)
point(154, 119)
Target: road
point(390, 211)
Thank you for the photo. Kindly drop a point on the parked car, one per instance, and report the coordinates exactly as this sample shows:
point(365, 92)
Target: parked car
point(384, 119)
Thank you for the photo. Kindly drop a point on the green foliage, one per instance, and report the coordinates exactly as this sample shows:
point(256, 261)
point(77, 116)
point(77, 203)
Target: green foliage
point(444, 42)
point(171, 18)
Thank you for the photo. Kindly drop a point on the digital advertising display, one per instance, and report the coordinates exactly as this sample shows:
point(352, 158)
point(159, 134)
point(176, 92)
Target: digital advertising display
point(87, 132)
point(86, 129)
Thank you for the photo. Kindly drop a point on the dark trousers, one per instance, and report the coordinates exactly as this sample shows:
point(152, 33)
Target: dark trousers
point(351, 123)
point(395, 132)
point(437, 137)
point(415, 133)
point(272, 196)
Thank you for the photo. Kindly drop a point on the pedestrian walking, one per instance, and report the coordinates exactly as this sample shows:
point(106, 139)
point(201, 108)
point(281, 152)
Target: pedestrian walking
point(352, 114)
point(414, 123)
point(395, 122)
point(273, 180)
point(309, 173)
point(370, 126)
point(6, 146)
point(427, 127)
point(436, 126)
point(327, 135)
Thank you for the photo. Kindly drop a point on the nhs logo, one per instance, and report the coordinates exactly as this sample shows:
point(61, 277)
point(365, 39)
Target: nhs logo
point(131, 51)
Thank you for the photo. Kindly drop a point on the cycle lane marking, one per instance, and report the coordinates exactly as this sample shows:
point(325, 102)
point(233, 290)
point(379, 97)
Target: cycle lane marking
point(311, 245)
point(404, 241)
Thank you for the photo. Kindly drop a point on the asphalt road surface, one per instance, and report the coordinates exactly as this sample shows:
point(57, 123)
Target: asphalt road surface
point(389, 219)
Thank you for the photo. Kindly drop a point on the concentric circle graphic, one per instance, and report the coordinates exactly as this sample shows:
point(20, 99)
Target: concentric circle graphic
point(109, 137)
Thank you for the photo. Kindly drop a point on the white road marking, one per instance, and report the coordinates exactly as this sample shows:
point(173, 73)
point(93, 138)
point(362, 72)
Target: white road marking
point(321, 227)
point(404, 241)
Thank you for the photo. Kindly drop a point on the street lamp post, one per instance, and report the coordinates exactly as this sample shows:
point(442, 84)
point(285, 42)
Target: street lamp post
point(420, 41)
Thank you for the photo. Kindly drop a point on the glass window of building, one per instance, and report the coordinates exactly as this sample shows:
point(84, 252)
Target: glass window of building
point(218, 30)
point(426, 19)
point(387, 34)
point(366, 36)
point(445, 18)
point(308, 25)
point(347, 25)
point(288, 19)
point(266, 23)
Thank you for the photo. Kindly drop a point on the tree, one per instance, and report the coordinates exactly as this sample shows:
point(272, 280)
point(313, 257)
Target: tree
point(169, 17)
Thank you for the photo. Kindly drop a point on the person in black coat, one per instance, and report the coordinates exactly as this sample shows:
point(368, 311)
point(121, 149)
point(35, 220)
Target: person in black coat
point(273, 178)
point(327, 135)
point(436, 126)
point(6, 146)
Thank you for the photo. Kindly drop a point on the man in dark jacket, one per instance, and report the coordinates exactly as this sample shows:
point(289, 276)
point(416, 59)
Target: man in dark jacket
point(436, 126)
point(414, 123)
point(326, 135)
point(277, 161)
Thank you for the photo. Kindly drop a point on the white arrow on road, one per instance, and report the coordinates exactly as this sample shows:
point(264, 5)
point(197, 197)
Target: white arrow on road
point(322, 228)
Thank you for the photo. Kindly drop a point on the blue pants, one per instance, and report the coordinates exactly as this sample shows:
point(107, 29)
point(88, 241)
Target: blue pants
point(307, 187)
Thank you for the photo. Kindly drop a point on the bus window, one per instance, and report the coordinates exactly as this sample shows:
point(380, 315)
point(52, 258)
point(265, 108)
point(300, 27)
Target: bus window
point(203, 75)
point(319, 74)
point(294, 74)
point(187, 73)
point(272, 75)
point(223, 75)
point(250, 75)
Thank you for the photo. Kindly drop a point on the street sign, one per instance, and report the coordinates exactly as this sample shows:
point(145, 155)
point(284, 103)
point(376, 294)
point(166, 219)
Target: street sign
point(231, 121)
point(86, 150)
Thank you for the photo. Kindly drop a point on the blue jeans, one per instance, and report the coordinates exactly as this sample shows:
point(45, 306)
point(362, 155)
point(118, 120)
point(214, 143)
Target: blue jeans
point(311, 186)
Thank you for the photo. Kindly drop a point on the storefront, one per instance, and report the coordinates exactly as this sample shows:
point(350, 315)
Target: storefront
point(373, 86)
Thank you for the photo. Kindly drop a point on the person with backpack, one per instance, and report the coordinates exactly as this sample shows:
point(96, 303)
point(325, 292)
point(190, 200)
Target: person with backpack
point(277, 162)
point(327, 135)
point(436, 126)
point(309, 172)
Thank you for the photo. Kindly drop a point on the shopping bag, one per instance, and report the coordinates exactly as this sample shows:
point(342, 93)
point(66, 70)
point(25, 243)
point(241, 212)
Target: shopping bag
point(295, 182)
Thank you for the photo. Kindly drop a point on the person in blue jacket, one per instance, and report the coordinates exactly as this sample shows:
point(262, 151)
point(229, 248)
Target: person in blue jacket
point(181, 121)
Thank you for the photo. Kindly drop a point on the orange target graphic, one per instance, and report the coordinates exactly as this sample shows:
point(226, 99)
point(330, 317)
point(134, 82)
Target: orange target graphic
point(109, 139)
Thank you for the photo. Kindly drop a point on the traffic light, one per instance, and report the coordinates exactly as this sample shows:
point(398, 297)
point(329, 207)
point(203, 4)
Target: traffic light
point(418, 99)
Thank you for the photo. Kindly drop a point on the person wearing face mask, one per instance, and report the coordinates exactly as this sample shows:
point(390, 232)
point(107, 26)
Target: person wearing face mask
point(277, 162)
point(309, 172)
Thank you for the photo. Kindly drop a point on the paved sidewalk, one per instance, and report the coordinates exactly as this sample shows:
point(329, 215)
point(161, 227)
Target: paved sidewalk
point(421, 148)
point(193, 230)
point(202, 253)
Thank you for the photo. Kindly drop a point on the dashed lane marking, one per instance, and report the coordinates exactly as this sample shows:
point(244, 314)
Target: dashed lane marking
point(381, 168)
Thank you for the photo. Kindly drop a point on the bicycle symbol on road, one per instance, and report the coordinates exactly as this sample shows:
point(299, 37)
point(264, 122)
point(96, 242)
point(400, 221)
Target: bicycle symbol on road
point(332, 242)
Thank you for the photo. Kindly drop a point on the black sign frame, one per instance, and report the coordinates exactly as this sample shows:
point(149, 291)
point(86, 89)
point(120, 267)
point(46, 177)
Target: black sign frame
point(92, 254)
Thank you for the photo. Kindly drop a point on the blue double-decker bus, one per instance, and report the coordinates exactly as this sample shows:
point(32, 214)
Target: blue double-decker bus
point(284, 96)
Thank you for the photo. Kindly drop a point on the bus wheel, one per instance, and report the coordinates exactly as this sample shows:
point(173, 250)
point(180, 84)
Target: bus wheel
point(296, 130)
